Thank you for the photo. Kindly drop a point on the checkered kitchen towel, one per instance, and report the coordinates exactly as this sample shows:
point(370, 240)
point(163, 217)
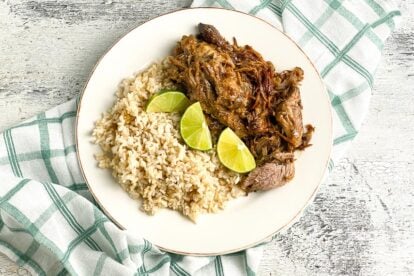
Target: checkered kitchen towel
point(49, 222)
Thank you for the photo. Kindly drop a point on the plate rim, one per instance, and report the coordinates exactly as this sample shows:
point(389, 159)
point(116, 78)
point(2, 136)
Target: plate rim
point(264, 239)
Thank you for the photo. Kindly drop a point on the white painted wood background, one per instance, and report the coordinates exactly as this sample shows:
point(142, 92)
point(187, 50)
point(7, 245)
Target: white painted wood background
point(362, 220)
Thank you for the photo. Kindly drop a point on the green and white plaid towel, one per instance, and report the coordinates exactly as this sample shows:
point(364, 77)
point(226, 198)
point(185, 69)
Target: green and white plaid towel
point(49, 223)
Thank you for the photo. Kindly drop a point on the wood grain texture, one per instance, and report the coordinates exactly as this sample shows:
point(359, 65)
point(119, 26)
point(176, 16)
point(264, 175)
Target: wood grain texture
point(362, 220)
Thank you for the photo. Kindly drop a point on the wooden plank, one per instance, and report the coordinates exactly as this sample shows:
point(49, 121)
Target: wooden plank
point(362, 220)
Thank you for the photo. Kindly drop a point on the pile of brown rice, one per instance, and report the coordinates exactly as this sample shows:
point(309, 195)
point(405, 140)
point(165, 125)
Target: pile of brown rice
point(150, 160)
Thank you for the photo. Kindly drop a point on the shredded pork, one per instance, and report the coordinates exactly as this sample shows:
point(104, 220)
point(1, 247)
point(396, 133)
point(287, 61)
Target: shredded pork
point(237, 88)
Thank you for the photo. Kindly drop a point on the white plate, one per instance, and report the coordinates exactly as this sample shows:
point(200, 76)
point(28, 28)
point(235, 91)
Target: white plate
point(245, 221)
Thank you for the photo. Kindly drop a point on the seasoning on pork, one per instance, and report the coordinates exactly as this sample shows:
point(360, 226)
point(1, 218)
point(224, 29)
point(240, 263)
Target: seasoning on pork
point(237, 88)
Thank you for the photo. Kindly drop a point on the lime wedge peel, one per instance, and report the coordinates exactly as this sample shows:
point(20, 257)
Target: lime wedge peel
point(167, 101)
point(233, 153)
point(194, 129)
point(231, 150)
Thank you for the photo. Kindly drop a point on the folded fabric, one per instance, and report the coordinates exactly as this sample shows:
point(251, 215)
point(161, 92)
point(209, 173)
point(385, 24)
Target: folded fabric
point(49, 222)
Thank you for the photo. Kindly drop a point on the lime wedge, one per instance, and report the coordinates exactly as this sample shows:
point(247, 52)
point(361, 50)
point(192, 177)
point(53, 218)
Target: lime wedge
point(194, 128)
point(233, 153)
point(168, 101)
